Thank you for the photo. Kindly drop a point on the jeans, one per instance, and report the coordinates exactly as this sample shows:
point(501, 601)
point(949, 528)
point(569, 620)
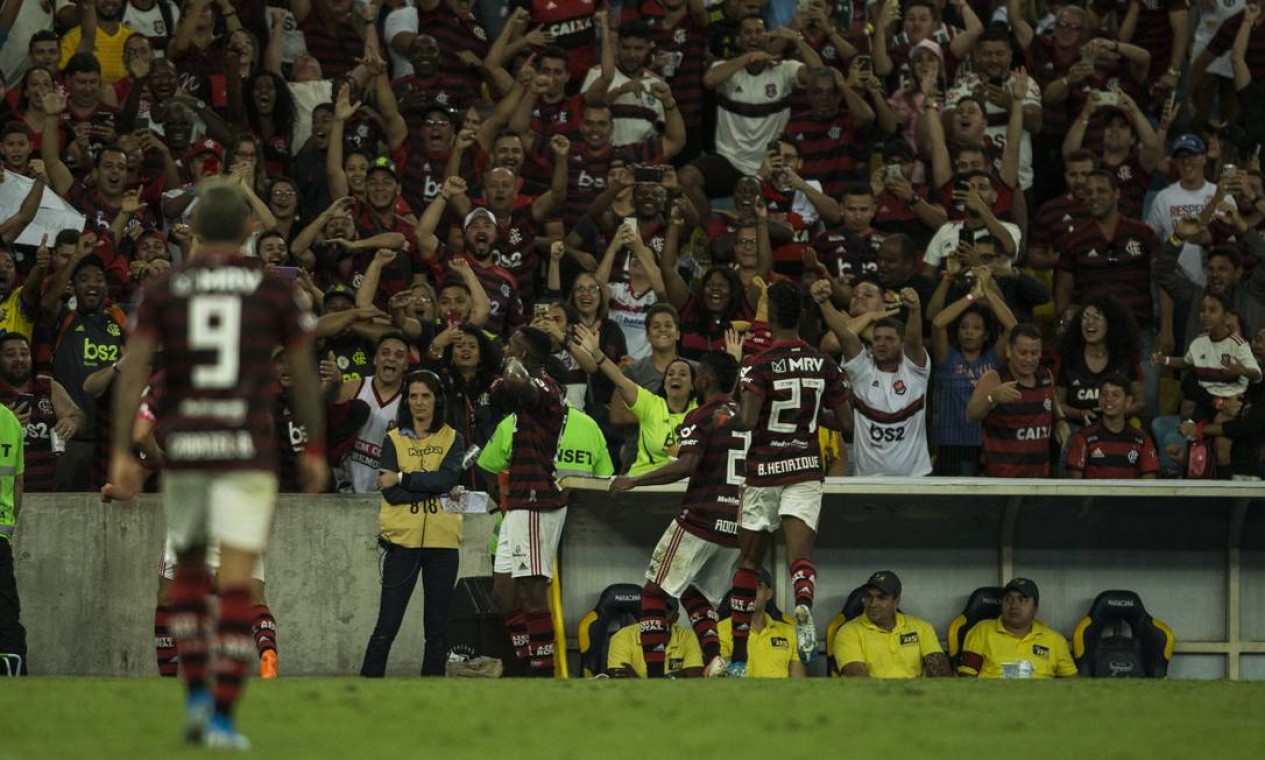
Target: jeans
point(1164, 431)
point(1150, 374)
point(12, 634)
point(400, 568)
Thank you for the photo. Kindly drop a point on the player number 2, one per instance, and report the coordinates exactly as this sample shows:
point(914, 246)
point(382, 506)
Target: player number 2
point(815, 384)
point(737, 473)
point(215, 324)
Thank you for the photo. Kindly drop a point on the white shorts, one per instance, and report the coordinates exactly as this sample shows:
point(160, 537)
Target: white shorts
point(763, 506)
point(528, 542)
point(682, 559)
point(233, 508)
point(167, 568)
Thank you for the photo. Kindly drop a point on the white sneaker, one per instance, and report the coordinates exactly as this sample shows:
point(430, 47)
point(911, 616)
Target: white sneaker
point(805, 633)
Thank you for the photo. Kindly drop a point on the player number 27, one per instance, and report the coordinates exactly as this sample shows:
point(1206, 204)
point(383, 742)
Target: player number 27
point(796, 386)
point(215, 324)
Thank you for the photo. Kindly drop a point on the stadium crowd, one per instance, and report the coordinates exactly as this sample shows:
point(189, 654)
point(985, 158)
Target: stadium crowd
point(1029, 231)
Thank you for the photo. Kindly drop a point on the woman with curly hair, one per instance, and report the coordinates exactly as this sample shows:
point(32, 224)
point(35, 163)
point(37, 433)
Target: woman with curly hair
point(270, 117)
point(1101, 339)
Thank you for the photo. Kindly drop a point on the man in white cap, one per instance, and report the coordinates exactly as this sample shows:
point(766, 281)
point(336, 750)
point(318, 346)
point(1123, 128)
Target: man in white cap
point(482, 236)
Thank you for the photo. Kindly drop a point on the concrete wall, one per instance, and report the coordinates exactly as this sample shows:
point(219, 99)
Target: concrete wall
point(87, 571)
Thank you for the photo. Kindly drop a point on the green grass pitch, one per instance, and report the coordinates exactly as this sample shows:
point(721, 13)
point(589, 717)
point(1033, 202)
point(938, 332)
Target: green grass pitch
point(748, 720)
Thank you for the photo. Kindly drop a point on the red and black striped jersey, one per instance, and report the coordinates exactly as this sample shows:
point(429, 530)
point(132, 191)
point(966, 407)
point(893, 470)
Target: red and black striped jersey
point(571, 24)
point(1154, 29)
point(517, 252)
point(794, 381)
point(1097, 453)
point(40, 461)
point(1054, 221)
point(1017, 435)
point(1135, 182)
point(587, 171)
point(845, 253)
point(679, 53)
point(455, 31)
point(335, 45)
point(541, 417)
point(710, 508)
point(831, 150)
point(1119, 267)
point(218, 318)
point(501, 287)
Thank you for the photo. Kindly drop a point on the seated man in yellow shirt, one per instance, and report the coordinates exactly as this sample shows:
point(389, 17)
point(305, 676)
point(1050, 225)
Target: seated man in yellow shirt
point(1016, 645)
point(624, 658)
point(885, 642)
point(771, 651)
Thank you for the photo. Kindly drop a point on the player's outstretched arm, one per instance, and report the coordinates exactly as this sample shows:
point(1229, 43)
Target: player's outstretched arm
point(678, 469)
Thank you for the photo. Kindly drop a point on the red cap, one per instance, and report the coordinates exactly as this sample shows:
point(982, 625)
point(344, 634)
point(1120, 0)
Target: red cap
point(206, 146)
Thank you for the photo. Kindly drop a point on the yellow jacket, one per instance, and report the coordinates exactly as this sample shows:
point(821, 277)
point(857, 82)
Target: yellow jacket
point(410, 514)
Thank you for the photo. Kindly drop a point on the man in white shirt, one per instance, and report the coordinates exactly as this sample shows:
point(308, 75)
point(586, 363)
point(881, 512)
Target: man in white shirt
point(623, 82)
point(991, 78)
point(889, 388)
point(753, 92)
point(1186, 197)
point(979, 198)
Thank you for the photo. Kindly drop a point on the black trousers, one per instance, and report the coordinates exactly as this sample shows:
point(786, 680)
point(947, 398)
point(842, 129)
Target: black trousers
point(400, 568)
point(12, 634)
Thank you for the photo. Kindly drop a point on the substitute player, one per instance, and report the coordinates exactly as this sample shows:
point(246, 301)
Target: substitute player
point(536, 508)
point(782, 392)
point(695, 558)
point(217, 318)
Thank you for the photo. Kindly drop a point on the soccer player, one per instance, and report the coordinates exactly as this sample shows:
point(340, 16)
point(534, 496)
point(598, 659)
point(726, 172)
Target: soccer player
point(217, 318)
point(695, 558)
point(783, 391)
point(1111, 447)
point(582, 450)
point(889, 387)
point(535, 507)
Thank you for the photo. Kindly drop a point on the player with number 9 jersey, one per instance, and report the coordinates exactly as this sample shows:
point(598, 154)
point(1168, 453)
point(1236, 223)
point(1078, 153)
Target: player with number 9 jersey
point(796, 381)
point(218, 322)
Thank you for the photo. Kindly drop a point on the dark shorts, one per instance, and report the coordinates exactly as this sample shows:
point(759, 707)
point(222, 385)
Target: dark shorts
point(719, 176)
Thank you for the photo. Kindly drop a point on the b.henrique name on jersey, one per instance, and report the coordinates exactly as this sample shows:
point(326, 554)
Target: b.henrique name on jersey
point(795, 380)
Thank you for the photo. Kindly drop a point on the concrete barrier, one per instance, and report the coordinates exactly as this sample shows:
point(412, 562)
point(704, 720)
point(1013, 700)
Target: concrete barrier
point(88, 571)
point(88, 577)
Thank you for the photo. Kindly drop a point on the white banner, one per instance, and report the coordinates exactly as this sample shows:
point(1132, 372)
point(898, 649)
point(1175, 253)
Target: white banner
point(55, 213)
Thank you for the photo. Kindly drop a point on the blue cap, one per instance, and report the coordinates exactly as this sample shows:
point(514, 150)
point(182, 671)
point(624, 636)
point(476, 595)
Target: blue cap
point(1188, 143)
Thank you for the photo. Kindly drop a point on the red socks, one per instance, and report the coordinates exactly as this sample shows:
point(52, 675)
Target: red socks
point(165, 643)
point(703, 620)
point(742, 602)
point(654, 629)
point(188, 621)
point(233, 646)
point(516, 624)
point(264, 629)
point(804, 581)
point(540, 642)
